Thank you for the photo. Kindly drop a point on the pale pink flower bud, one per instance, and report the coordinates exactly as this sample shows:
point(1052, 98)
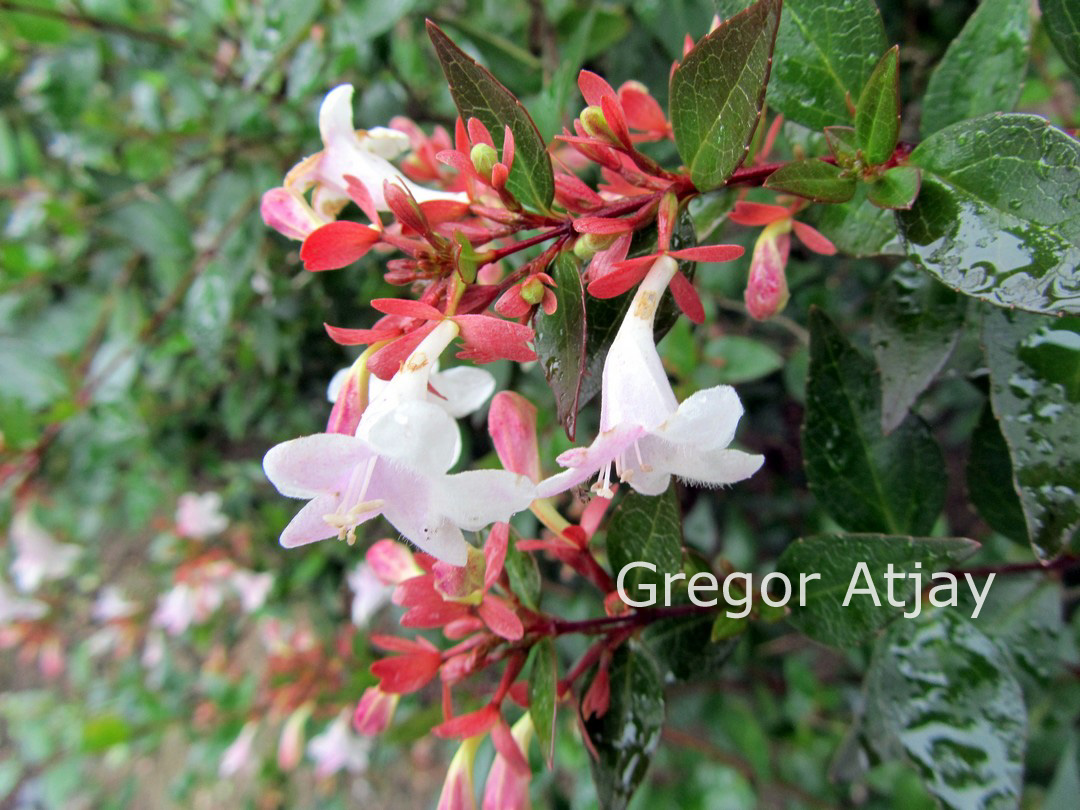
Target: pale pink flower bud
point(375, 711)
point(457, 792)
point(392, 562)
point(348, 403)
point(507, 786)
point(288, 213)
point(766, 289)
point(51, 659)
point(238, 755)
point(291, 742)
point(512, 425)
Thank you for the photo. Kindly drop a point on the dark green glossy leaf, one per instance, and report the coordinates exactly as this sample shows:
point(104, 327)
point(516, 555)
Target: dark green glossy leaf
point(998, 216)
point(841, 141)
point(718, 92)
point(877, 115)
point(868, 481)
point(685, 645)
point(560, 340)
point(916, 324)
point(813, 179)
point(990, 479)
point(648, 529)
point(628, 733)
point(524, 575)
point(942, 695)
point(1039, 420)
point(896, 189)
point(836, 557)
point(984, 67)
point(480, 95)
point(857, 228)
point(543, 675)
point(825, 53)
point(1024, 618)
point(1062, 23)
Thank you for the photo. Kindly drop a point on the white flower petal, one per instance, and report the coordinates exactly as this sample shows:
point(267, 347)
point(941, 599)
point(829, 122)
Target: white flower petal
point(463, 389)
point(706, 419)
point(420, 434)
point(336, 117)
point(385, 142)
point(478, 498)
point(712, 467)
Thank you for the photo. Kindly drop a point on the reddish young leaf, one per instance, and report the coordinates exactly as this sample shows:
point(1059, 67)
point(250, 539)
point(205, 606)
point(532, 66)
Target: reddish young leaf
point(687, 298)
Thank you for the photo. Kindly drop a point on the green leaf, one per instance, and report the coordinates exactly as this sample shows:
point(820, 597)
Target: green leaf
point(480, 95)
point(825, 53)
point(917, 322)
point(984, 68)
point(841, 141)
point(524, 575)
point(877, 115)
point(648, 529)
point(836, 557)
point(718, 92)
point(868, 481)
point(857, 228)
point(998, 216)
point(990, 479)
point(727, 627)
point(104, 731)
point(1032, 363)
point(735, 359)
point(896, 189)
point(543, 675)
point(813, 179)
point(627, 735)
point(560, 340)
point(1062, 24)
point(1025, 620)
point(685, 645)
point(941, 695)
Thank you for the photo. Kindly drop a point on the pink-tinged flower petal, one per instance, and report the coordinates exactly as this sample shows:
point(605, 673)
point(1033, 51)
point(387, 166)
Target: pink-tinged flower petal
point(288, 213)
point(622, 276)
point(585, 462)
point(392, 562)
point(508, 749)
point(291, 743)
point(813, 239)
point(512, 425)
point(500, 618)
point(336, 245)
point(309, 525)
point(468, 725)
point(603, 225)
point(486, 338)
point(687, 298)
point(240, 754)
point(495, 552)
point(766, 288)
point(359, 194)
point(314, 465)
point(594, 88)
point(709, 253)
point(374, 712)
point(643, 113)
point(751, 213)
point(457, 791)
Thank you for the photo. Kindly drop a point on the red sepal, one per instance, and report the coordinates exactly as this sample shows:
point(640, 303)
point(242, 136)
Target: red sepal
point(751, 213)
point(337, 244)
point(468, 725)
point(687, 298)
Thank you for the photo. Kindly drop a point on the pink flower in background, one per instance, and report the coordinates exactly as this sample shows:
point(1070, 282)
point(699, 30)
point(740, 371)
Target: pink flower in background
point(239, 756)
point(369, 593)
point(644, 432)
point(338, 748)
point(375, 711)
point(291, 742)
point(199, 516)
point(39, 557)
point(392, 562)
point(15, 608)
point(251, 587)
point(111, 605)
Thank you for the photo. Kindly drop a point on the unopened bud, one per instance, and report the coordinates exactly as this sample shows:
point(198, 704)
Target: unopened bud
point(532, 291)
point(595, 124)
point(483, 159)
point(766, 288)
